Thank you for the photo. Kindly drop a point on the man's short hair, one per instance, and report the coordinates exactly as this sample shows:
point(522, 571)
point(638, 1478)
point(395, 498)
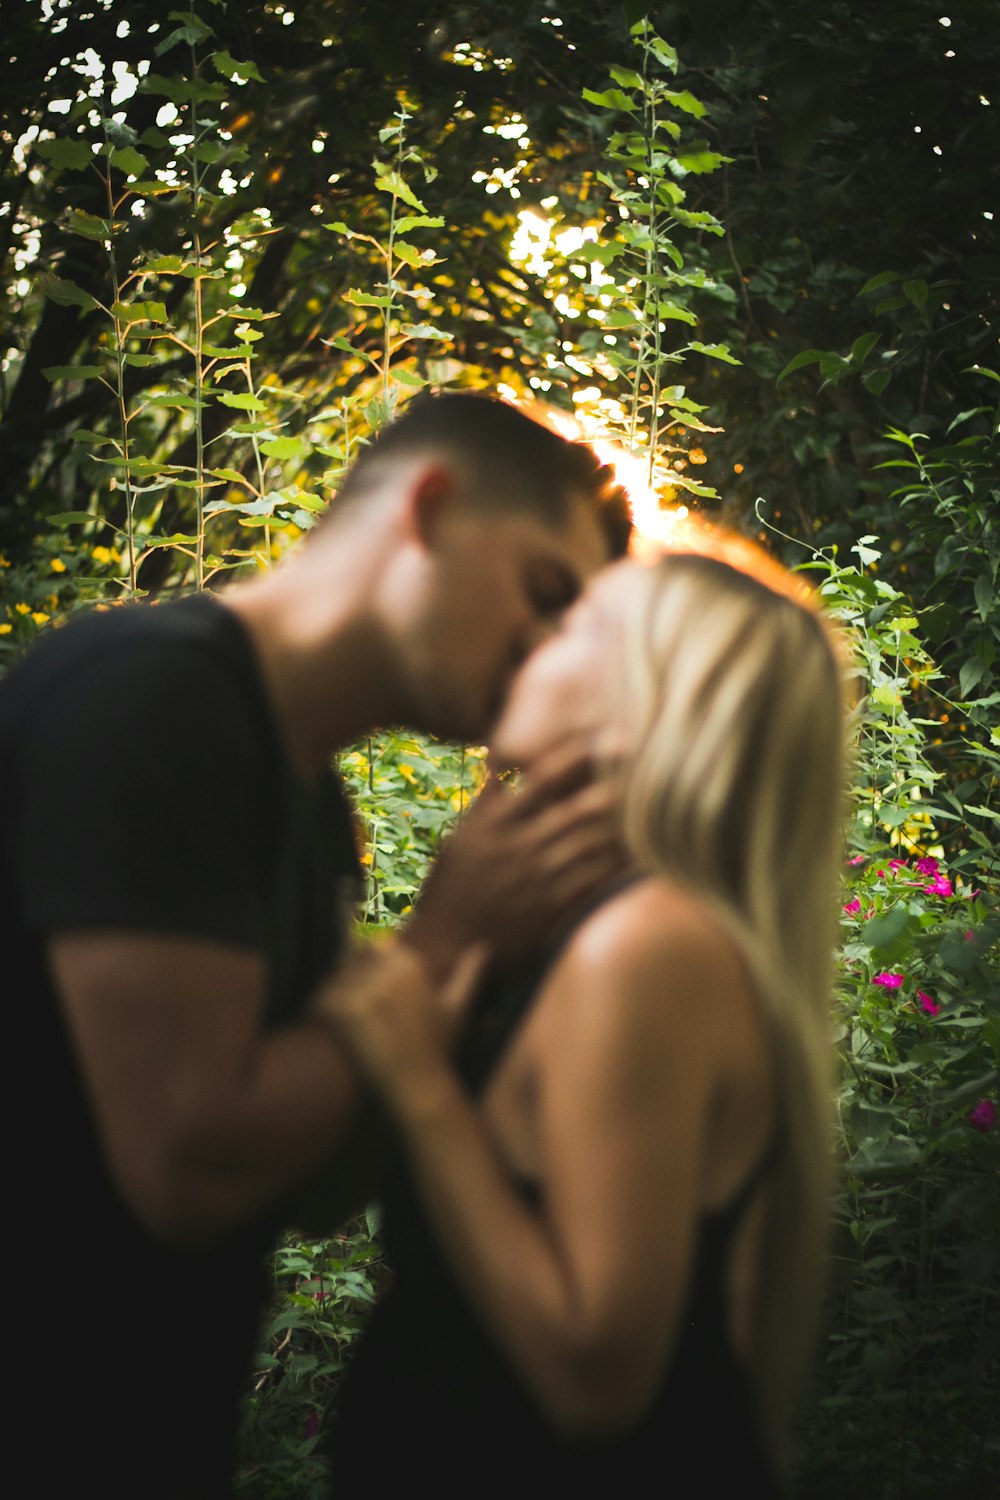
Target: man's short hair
point(507, 459)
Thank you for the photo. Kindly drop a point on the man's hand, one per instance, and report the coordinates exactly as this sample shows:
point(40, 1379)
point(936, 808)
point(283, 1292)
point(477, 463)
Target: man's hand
point(522, 860)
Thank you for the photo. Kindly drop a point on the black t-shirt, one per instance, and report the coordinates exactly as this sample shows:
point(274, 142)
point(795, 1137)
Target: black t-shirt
point(144, 787)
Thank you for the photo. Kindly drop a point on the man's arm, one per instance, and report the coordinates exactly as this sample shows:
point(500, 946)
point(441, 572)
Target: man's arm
point(205, 1120)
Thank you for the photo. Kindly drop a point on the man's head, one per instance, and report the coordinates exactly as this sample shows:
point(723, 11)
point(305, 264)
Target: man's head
point(496, 522)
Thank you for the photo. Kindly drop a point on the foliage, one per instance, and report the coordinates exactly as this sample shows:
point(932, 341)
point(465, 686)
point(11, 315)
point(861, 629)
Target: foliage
point(908, 1373)
point(323, 1290)
point(213, 294)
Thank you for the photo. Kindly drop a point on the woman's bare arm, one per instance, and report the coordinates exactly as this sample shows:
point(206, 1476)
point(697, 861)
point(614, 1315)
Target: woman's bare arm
point(585, 1296)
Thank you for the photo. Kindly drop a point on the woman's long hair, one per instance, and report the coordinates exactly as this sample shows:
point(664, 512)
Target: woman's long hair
point(734, 774)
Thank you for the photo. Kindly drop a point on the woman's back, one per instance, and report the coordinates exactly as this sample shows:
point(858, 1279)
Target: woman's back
point(625, 1077)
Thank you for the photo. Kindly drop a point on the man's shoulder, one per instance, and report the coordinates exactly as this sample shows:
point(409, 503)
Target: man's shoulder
point(190, 650)
point(107, 634)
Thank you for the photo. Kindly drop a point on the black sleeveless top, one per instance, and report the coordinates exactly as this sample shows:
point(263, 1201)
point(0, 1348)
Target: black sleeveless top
point(427, 1393)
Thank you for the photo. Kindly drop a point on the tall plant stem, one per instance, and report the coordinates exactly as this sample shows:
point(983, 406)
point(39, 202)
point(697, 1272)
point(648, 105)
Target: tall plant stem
point(199, 329)
point(390, 246)
point(120, 351)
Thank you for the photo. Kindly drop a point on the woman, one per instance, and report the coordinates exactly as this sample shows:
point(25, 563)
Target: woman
point(609, 1211)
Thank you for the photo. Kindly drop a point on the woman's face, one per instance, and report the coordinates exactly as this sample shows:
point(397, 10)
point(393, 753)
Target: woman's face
point(566, 687)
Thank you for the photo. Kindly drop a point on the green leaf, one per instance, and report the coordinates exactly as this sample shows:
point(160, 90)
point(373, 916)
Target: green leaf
point(150, 187)
point(983, 590)
point(71, 372)
point(699, 220)
point(409, 378)
point(263, 507)
point(686, 101)
point(916, 292)
point(611, 99)
point(139, 312)
point(65, 518)
point(183, 90)
point(806, 357)
point(425, 331)
point(129, 161)
point(714, 351)
point(170, 265)
point(67, 156)
point(866, 553)
point(627, 77)
point(339, 227)
point(286, 447)
point(190, 32)
point(65, 293)
point(173, 399)
point(982, 370)
point(241, 400)
point(862, 347)
point(88, 226)
point(98, 439)
point(970, 673)
point(874, 282)
point(227, 65)
point(233, 476)
point(410, 255)
point(357, 298)
point(661, 50)
point(700, 162)
point(678, 314)
point(415, 221)
point(876, 382)
point(985, 812)
point(391, 182)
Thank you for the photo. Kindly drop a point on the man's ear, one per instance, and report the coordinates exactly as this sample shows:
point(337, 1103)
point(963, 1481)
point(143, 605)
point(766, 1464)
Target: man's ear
point(430, 500)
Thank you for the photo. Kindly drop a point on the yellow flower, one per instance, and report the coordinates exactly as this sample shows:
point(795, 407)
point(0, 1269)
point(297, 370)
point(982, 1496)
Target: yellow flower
point(6, 629)
point(57, 565)
point(23, 609)
point(407, 773)
point(39, 617)
point(4, 562)
point(104, 555)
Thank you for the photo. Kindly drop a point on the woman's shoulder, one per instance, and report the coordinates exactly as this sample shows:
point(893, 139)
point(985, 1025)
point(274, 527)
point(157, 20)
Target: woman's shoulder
point(652, 1002)
point(653, 960)
point(658, 922)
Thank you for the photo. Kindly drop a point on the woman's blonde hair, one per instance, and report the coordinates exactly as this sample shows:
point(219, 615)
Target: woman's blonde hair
point(734, 775)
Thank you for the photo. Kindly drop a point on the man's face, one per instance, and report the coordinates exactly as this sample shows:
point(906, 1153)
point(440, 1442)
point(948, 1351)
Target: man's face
point(501, 583)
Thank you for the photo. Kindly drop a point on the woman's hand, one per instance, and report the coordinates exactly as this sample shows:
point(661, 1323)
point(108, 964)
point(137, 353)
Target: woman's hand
point(393, 1018)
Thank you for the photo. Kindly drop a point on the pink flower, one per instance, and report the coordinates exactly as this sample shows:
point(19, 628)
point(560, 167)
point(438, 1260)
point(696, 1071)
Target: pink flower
point(971, 895)
point(858, 859)
point(927, 866)
point(941, 887)
point(969, 935)
point(853, 907)
point(897, 864)
point(928, 1004)
point(984, 1116)
point(311, 1425)
point(888, 981)
point(881, 874)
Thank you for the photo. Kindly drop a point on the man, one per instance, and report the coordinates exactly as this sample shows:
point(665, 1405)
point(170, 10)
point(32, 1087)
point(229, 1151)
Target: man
point(173, 861)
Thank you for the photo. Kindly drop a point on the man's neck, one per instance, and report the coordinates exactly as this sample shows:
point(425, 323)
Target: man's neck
point(326, 666)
